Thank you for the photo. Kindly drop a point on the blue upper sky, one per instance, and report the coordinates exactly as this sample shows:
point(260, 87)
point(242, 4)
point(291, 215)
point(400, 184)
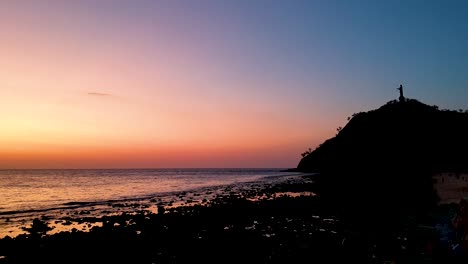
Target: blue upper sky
point(359, 50)
point(356, 50)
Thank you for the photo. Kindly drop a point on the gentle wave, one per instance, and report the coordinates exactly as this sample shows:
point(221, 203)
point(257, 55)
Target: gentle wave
point(29, 191)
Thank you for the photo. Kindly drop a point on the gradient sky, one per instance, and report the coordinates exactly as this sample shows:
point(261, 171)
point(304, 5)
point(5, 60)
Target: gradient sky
point(126, 84)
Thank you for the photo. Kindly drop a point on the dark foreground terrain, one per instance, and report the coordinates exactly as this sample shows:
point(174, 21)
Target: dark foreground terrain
point(274, 225)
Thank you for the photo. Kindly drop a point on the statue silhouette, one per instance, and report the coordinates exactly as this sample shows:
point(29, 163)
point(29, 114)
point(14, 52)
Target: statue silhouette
point(401, 98)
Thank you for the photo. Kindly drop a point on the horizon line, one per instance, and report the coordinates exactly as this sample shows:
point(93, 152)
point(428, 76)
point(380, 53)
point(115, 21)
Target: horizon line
point(161, 168)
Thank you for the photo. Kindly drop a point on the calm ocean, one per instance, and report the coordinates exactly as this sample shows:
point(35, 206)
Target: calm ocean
point(25, 190)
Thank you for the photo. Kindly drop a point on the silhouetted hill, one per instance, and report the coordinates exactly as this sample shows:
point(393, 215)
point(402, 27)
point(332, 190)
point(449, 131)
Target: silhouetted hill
point(379, 166)
point(398, 136)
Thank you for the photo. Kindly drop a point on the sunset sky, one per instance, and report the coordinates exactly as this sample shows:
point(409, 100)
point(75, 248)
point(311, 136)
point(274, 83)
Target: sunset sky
point(198, 83)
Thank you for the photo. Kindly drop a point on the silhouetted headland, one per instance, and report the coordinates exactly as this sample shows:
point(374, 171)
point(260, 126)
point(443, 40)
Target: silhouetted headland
point(381, 164)
point(400, 135)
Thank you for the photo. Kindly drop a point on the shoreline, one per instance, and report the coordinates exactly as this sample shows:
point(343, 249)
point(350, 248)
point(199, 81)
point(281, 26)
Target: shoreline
point(12, 222)
point(244, 219)
point(258, 222)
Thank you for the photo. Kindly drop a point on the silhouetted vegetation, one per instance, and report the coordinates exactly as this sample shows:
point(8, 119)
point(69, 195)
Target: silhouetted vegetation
point(307, 152)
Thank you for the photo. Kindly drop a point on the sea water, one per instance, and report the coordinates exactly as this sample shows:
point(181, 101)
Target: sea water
point(26, 190)
point(60, 194)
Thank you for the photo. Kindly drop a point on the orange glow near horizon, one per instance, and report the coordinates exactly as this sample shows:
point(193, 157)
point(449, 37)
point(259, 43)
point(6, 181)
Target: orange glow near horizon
point(78, 92)
point(144, 157)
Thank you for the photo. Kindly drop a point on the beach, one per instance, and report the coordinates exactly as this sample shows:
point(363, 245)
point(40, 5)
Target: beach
point(60, 196)
point(268, 221)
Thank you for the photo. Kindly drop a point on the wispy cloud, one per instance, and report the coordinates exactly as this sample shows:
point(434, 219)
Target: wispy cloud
point(98, 94)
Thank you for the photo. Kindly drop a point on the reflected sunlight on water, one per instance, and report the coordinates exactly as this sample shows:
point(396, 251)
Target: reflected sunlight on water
point(41, 189)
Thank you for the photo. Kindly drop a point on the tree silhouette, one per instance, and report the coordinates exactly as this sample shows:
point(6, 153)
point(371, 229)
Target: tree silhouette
point(307, 152)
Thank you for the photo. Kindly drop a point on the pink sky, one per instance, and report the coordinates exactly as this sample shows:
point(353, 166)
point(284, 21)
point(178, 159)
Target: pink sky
point(80, 92)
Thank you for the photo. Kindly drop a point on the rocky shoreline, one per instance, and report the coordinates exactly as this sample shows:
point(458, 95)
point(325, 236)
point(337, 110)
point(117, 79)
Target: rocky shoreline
point(65, 217)
point(279, 222)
